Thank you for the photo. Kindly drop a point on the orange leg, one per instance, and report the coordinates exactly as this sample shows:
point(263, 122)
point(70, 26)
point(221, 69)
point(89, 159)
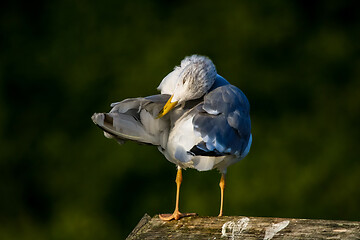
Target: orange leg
point(177, 214)
point(222, 187)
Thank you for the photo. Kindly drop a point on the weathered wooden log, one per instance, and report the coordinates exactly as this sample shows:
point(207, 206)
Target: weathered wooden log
point(239, 227)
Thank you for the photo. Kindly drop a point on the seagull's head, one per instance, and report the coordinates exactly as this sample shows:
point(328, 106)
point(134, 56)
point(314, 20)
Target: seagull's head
point(196, 76)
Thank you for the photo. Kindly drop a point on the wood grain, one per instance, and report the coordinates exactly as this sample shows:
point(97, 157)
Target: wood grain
point(241, 227)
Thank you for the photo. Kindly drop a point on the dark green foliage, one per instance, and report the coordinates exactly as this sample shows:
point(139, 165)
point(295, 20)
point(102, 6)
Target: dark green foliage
point(61, 61)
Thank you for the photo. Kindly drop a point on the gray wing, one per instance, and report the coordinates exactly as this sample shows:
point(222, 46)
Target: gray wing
point(223, 121)
point(136, 119)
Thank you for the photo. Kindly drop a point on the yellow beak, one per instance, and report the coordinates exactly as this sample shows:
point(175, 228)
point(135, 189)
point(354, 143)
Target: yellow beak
point(168, 106)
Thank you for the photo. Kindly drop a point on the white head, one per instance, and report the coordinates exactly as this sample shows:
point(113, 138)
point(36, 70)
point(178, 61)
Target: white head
point(196, 75)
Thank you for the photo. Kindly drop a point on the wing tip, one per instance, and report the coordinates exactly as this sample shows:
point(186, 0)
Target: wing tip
point(98, 119)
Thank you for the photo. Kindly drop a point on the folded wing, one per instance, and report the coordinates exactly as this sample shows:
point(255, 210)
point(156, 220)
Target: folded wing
point(223, 122)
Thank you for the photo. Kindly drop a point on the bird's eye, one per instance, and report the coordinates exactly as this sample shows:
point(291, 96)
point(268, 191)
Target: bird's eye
point(184, 80)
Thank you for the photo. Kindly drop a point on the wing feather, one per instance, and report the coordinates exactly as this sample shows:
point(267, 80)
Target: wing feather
point(228, 130)
point(135, 119)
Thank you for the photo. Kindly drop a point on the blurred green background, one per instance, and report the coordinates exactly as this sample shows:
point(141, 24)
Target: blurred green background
point(61, 61)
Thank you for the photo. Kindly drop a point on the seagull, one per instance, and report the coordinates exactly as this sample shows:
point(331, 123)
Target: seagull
point(198, 121)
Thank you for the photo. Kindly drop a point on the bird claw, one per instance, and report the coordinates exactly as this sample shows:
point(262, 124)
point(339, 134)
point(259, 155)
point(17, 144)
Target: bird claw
point(175, 216)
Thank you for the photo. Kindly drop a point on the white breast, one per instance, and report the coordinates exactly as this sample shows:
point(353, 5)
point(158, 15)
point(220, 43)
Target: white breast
point(181, 139)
